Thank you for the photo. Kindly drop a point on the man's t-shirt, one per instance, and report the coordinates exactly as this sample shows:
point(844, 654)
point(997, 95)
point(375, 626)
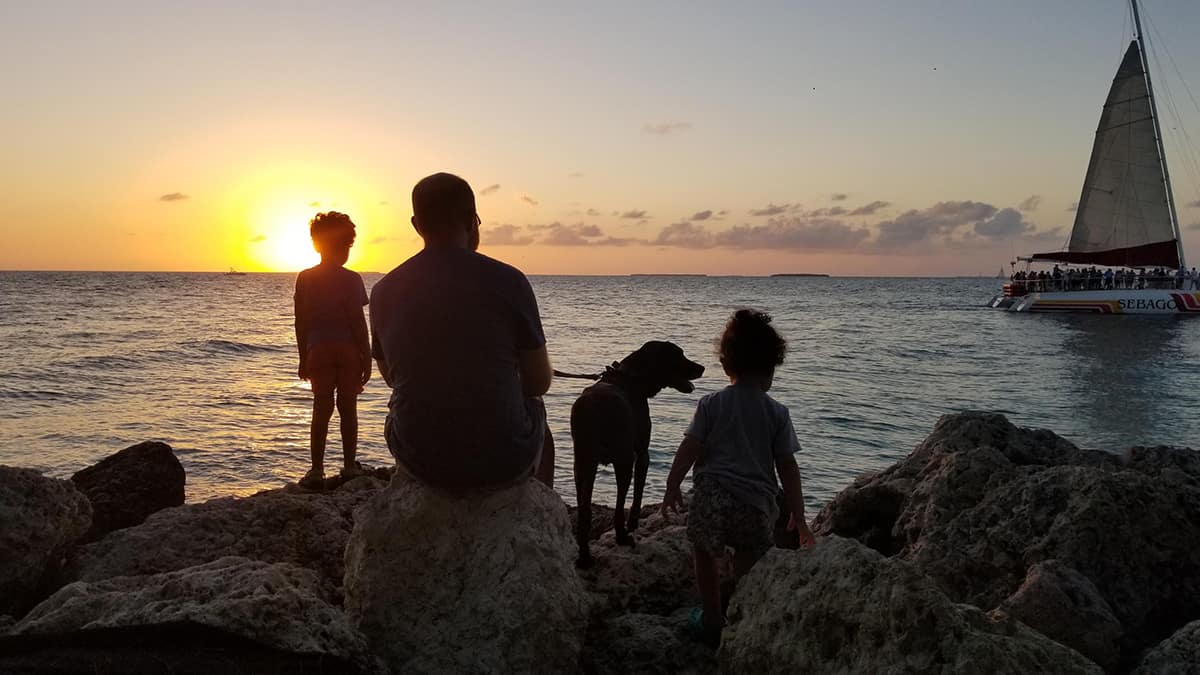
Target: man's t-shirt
point(330, 296)
point(449, 324)
point(743, 431)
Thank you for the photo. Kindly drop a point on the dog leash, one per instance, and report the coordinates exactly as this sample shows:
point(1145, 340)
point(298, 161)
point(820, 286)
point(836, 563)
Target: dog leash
point(576, 376)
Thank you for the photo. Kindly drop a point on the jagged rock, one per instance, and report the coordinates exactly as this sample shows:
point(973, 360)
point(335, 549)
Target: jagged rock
point(654, 577)
point(128, 486)
point(280, 606)
point(981, 501)
point(40, 520)
point(841, 607)
point(646, 643)
point(288, 525)
point(602, 520)
point(1064, 605)
point(474, 582)
point(1177, 655)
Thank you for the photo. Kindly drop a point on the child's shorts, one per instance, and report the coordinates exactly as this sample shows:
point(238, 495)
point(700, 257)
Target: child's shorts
point(717, 519)
point(334, 365)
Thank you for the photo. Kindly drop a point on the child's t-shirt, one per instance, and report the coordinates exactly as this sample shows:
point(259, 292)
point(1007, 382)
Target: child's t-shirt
point(330, 296)
point(743, 431)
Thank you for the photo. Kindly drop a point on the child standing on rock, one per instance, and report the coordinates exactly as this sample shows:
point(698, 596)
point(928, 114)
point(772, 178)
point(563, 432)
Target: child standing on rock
point(331, 333)
point(738, 440)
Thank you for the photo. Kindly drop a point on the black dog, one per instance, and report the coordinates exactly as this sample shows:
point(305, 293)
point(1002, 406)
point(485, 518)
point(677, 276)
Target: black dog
point(610, 424)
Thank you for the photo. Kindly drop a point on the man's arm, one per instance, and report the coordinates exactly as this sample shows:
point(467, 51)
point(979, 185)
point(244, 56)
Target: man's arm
point(300, 308)
point(536, 374)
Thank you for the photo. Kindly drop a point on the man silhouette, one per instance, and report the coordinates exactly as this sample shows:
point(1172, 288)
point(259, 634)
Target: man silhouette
point(458, 338)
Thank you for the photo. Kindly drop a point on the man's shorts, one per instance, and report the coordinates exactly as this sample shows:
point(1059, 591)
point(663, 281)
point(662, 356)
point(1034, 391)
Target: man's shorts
point(334, 366)
point(717, 519)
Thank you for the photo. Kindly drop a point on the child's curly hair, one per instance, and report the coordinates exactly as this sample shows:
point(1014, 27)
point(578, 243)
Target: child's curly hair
point(331, 227)
point(749, 345)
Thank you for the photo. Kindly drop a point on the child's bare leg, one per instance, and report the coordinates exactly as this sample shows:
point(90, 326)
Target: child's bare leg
point(545, 469)
point(319, 429)
point(708, 581)
point(347, 407)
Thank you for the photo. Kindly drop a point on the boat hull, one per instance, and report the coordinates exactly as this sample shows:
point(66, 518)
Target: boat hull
point(1120, 301)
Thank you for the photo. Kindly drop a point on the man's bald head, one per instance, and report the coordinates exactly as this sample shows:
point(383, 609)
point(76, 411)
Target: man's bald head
point(443, 205)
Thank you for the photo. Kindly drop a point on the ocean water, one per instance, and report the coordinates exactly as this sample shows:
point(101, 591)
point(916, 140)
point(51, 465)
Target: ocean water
point(93, 362)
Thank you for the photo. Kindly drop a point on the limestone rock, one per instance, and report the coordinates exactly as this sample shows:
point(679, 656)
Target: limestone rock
point(40, 520)
point(128, 486)
point(278, 605)
point(981, 501)
point(305, 529)
point(646, 643)
point(1177, 655)
point(655, 576)
point(475, 582)
point(1064, 605)
point(841, 607)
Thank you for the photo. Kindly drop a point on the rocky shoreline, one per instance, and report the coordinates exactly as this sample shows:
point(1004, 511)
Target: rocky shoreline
point(989, 549)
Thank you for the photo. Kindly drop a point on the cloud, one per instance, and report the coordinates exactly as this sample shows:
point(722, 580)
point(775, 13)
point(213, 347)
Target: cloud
point(838, 197)
point(823, 213)
point(575, 174)
point(684, 234)
point(384, 203)
point(1073, 207)
point(870, 209)
point(919, 226)
point(593, 212)
point(1055, 235)
point(701, 215)
point(258, 239)
point(1006, 223)
point(173, 197)
point(1030, 204)
point(578, 234)
point(489, 189)
point(529, 200)
point(504, 235)
point(314, 205)
point(796, 232)
point(634, 214)
point(666, 128)
point(770, 210)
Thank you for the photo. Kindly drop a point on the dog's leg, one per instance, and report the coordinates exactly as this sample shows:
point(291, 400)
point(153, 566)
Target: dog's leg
point(624, 472)
point(585, 478)
point(639, 486)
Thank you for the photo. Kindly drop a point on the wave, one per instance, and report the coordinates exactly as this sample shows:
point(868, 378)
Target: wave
point(233, 347)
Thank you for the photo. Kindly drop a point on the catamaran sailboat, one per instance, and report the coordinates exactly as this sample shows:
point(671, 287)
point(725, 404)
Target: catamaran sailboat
point(1126, 232)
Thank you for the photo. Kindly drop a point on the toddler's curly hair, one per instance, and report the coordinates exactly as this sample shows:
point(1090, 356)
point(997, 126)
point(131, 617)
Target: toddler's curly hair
point(749, 345)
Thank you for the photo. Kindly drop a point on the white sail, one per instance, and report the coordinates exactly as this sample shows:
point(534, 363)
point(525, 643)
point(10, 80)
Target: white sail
point(1124, 217)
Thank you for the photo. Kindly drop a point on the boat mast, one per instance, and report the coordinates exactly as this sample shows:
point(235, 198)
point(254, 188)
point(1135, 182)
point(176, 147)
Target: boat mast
point(1162, 153)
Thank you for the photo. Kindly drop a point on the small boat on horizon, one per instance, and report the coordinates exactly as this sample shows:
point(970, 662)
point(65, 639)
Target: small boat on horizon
point(234, 273)
point(1125, 254)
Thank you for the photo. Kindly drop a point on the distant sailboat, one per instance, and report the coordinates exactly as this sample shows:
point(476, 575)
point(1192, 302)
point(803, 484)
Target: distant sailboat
point(1126, 217)
point(234, 273)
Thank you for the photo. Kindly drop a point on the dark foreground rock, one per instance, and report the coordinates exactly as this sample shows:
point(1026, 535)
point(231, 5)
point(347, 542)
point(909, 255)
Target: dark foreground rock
point(128, 486)
point(469, 583)
point(646, 643)
point(844, 608)
point(305, 529)
point(282, 609)
point(981, 502)
point(41, 519)
point(1177, 655)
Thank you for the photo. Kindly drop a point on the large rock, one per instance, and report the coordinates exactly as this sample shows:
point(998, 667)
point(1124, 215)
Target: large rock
point(127, 487)
point(654, 577)
point(646, 643)
point(981, 501)
point(41, 519)
point(841, 607)
point(469, 583)
point(1064, 605)
point(1177, 655)
point(279, 606)
point(305, 529)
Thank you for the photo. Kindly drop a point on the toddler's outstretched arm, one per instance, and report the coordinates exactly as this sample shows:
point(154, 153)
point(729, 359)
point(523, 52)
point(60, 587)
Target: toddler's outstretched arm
point(789, 475)
point(685, 457)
